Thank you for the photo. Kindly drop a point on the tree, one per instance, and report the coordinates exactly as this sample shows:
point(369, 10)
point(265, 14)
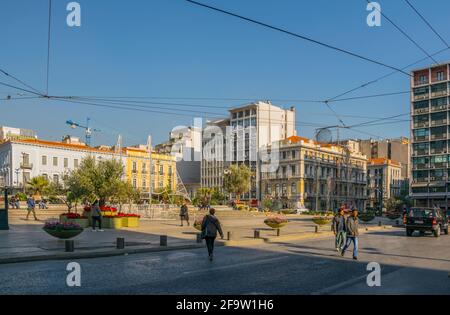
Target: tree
point(126, 193)
point(98, 179)
point(203, 195)
point(37, 185)
point(238, 180)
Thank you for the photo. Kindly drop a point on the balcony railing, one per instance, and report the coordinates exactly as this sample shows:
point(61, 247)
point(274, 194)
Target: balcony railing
point(26, 165)
point(438, 150)
point(422, 110)
point(416, 83)
point(438, 178)
point(420, 180)
point(421, 97)
point(438, 108)
point(421, 124)
point(439, 122)
point(439, 136)
point(420, 152)
point(439, 93)
point(438, 165)
point(420, 138)
point(421, 166)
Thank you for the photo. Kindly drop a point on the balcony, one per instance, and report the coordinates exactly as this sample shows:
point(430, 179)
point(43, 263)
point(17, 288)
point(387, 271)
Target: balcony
point(421, 124)
point(134, 171)
point(420, 152)
point(421, 82)
point(421, 166)
point(420, 180)
point(420, 138)
point(438, 150)
point(420, 97)
point(26, 165)
point(438, 178)
point(438, 165)
point(439, 136)
point(439, 93)
point(438, 108)
point(421, 110)
point(438, 122)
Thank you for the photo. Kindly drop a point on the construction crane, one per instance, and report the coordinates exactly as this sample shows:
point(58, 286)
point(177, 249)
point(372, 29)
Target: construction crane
point(87, 129)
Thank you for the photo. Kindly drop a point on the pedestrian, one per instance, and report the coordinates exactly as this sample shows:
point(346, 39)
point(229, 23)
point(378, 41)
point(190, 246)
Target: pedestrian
point(338, 227)
point(12, 202)
point(17, 202)
point(210, 227)
point(31, 205)
point(184, 213)
point(96, 216)
point(352, 229)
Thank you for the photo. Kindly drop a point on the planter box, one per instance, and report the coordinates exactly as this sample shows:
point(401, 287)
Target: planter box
point(62, 218)
point(130, 221)
point(84, 223)
point(274, 225)
point(112, 223)
point(321, 220)
point(63, 234)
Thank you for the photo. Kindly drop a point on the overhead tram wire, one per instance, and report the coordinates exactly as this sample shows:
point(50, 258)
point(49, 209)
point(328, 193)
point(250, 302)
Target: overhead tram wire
point(428, 23)
point(21, 89)
point(403, 32)
point(48, 43)
point(20, 81)
point(384, 76)
point(298, 36)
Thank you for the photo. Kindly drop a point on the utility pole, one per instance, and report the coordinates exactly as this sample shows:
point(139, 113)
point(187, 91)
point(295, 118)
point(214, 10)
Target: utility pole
point(150, 191)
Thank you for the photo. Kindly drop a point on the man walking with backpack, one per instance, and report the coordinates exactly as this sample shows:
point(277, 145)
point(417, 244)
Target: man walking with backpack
point(352, 228)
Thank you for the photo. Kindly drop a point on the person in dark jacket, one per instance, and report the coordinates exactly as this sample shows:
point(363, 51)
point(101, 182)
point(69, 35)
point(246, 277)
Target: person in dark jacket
point(352, 228)
point(184, 214)
point(338, 227)
point(210, 227)
point(96, 216)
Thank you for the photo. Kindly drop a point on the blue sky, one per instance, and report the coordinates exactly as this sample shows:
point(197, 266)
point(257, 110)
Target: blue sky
point(171, 48)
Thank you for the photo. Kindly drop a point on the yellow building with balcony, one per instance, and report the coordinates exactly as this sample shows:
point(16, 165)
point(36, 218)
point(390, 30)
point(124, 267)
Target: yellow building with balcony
point(141, 171)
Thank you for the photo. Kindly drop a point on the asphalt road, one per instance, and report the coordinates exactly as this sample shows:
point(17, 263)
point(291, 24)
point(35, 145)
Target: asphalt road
point(410, 265)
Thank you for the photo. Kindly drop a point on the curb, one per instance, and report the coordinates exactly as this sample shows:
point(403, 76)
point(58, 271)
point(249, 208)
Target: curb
point(97, 254)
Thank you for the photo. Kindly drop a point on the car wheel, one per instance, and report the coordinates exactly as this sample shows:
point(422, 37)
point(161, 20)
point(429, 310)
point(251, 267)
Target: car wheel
point(422, 233)
point(409, 232)
point(446, 231)
point(437, 232)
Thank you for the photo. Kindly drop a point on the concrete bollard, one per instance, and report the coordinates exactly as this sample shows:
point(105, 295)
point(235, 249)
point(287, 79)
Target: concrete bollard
point(229, 235)
point(278, 232)
point(163, 240)
point(70, 245)
point(256, 234)
point(316, 229)
point(199, 238)
point(120, 243)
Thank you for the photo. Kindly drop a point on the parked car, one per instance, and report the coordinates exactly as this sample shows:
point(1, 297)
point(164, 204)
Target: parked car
point(426, 220)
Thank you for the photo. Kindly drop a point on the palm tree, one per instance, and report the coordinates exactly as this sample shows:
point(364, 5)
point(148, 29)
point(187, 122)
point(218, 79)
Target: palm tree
point(37, 185)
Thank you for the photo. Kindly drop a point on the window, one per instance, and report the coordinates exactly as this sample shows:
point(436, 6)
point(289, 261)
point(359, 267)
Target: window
point(45, 176)
point(293, 188)
point(144, 183)
point(134, 182)
point(55, 161)
point(44, 160)
point(161, 169)
point(134, 167)
point(440, 76)
point(423, 79)
point(75, 163)
point(66, 162)
point(56, 179)
point(144, 166)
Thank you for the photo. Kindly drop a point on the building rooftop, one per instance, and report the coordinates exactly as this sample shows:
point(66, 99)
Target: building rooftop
point(383, 161)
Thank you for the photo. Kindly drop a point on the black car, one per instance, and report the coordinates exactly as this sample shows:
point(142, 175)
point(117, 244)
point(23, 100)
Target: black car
point(426, 219)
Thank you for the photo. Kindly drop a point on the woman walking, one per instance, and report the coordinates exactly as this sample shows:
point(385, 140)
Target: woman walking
point(210, 227)
point(96, 216)
point(184, 213)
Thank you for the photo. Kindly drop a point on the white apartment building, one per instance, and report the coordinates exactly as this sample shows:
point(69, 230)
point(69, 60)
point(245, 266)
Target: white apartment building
point(23, 159)
point(251, 127)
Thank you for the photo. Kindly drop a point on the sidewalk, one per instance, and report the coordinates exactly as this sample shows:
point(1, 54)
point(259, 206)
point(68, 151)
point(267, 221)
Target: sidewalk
point(26, 241)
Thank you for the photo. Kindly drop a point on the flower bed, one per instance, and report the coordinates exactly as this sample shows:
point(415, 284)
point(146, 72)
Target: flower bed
point(112, 222)
point(129, 219)
point(74, 218)
point(62, 230)
point(276, 222)
point(322, 220)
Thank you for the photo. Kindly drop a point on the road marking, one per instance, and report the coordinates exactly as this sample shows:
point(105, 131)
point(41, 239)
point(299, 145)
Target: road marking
point(235, 265)
point(339, 285)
